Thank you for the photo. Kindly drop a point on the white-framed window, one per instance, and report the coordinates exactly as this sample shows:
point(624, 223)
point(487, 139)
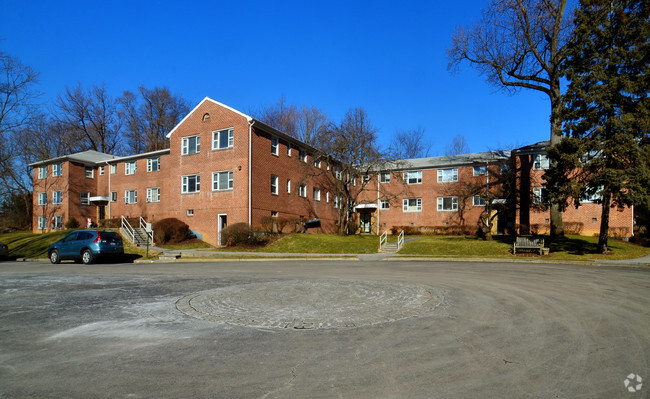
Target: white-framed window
point(592, 196)
point(190, 212)
point(153, 164)
point(89, 172)
point(57, 197)
point(540, 161)
point(288, 149)
point(337, 173)
point(57, 169)
point(384, 177)
point(274, 145)
point(42, 223)
point(327, 197)
point(302, 155)
point(113, 196)
point(413, 177)
point(85, 198)
point(539, 195)
point(42, 172)
point(42, 198)
point(336, 201)
point(365, 179)
point(191, 145)
point(223, 139)
point(101, 170)
point(447, 204)
point(113, 169)
point(384, 204)
point(480, 170)
point(153, 194)
point(130, 196)
point(274, 184)
point(447, 175)
point(412, 205)
point(316, 163)
point(222, 180)
point(288, 186)
point(130, 167)
point(190, 184)
point(478, 201)
point(316, 192)
point(302, 190)
point(58, 222)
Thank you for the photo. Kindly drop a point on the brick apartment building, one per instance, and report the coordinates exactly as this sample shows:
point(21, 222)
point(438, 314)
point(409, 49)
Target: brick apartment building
point(224, 167)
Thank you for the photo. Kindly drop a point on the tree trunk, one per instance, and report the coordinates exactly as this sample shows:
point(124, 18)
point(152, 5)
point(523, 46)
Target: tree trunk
point(604, 224)
point(557, 225)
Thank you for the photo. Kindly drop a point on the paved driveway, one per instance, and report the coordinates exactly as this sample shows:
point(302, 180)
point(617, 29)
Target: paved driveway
point(323, 329)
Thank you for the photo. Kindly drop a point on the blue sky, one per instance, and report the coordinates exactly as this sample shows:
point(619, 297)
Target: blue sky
point(388, 57)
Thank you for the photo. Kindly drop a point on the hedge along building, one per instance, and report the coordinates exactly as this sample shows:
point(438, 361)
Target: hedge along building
point(225, 167)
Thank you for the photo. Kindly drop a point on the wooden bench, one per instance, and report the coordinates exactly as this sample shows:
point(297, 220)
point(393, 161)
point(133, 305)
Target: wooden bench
point(529, 243)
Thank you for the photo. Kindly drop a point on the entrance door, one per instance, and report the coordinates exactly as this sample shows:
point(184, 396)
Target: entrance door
point(101, 213)
point(222, 222)
point(365, 220)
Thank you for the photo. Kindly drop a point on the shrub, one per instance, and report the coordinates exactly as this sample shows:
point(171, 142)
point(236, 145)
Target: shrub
point(242, 234)
point(267, 223)
point(72, 223)
point(170, 230)
point(282, 223)
point(574, 228)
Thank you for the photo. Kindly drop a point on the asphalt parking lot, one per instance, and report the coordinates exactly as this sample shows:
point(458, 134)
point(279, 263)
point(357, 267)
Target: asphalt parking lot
point(322, 329)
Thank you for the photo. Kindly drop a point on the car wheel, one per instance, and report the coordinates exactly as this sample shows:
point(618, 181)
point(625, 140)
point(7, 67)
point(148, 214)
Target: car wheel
point(54, 257)
point(87, 257)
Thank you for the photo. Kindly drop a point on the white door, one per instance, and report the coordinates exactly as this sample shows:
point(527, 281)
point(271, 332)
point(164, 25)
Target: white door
point(222, 222)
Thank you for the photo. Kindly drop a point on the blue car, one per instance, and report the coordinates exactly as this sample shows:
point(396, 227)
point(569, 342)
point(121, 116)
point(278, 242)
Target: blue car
point(86, 246)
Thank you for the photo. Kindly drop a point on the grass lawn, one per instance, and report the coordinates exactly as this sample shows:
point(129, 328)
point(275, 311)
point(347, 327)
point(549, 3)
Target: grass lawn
point(324, 244)
point(194, 243)
point(568, 248)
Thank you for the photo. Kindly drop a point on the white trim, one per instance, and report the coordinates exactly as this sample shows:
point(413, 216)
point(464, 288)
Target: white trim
point(248, 118)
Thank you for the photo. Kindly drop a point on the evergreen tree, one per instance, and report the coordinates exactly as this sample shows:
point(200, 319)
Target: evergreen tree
point(606, 155)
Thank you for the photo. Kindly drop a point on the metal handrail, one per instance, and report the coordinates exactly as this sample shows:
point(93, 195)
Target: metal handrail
point(127, 226)
point(143, 225)
point(400, 240)
point(383, 239)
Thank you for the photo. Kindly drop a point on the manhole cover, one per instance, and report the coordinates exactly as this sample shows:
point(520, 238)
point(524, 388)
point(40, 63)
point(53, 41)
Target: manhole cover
point(311, 304)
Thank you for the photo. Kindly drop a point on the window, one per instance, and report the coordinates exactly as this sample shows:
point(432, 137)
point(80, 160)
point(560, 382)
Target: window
point(113, 169)
point(57, 197)
point(412, 205)
point(190, 212)
point(337, 173)
point(85, 198)
point(478, 201)
point(153, 164)
point(274, 184)
point(58, 222)
point(365, 179)
point(190, 184)
point(336, 201)
point(540, 161)
point(274, 145)
point(316, 163)
point(539, 195)
point(327, 197)
point(42, 222)
point(57, 169)
point(384, 204)
point(288, 186)
point(447, 175)
point(317, 194)
point(413, 177)
point(288, 149)
point(222, 180)
point(592, 195)
point(42, 198)
point(113, 196)
point(302, 190)
point(88, 170)
point(447, 203)
point(191, 145)
point(130, 168)
point(480, 170)
point(42, 172)
point(302, 155)
point(384, 177)
point(505, 169)
point(131, 196)
point(153, 194)
point(101, 170)
point(223, 139)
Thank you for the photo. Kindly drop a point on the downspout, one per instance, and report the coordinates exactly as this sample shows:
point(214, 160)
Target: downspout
point(109, 189)
point(378, 202)
point(250, 172)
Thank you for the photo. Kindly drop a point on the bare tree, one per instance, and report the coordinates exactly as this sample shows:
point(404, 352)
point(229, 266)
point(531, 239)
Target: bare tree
point(90, 117)
point(457, 146)
point(408, 144)
point(306, 123)
point(311, 126)
point(520, 44)
point(281, 116)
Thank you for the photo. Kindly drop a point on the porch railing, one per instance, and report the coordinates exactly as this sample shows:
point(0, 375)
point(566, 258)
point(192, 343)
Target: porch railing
point(400, 240)
point(383, 239)
point(143, 226)
point(126, 226)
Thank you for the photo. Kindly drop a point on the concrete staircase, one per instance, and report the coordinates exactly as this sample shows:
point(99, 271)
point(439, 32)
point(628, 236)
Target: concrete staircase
point(140, 237)
point(389, 247)
point(139, 233)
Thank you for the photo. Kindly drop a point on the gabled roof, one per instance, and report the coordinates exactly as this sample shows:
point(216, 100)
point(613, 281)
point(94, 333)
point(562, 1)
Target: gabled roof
point(249, 118)
point(479, 158)
point(537, 147)
point(89, 157)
